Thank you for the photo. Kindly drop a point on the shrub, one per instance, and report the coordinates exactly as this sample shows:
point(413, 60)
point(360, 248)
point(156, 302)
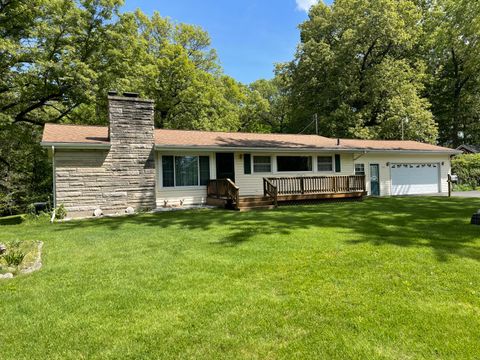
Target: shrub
point(31, 209)
point(60, 212)
point(14, 257)
point(467, 167)
point(11, 220)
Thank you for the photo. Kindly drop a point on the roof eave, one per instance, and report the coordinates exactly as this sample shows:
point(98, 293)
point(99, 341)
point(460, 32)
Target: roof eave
point(76, 145)
point(306, 149)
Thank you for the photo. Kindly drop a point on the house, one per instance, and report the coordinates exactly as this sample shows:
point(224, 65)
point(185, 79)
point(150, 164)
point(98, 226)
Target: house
point(469, 149)
point(131, 164)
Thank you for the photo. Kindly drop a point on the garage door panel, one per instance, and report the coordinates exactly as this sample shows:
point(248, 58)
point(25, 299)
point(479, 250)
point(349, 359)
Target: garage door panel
point(409, 179)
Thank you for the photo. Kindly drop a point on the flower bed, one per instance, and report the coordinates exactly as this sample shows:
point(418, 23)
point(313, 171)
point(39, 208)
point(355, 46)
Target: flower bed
point(19, 257)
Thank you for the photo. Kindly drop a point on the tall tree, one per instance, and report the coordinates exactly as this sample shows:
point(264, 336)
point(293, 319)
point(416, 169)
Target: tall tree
point(453, 48)
point(355, 68)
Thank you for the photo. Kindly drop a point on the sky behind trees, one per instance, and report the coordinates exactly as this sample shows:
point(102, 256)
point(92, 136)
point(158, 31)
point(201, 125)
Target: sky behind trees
point(250, 36)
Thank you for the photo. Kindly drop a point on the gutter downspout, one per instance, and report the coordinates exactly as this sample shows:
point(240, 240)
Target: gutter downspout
point(54, 180)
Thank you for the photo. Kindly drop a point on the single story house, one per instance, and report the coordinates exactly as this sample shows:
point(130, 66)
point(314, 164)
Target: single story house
point(131, 164)
point(469, 149)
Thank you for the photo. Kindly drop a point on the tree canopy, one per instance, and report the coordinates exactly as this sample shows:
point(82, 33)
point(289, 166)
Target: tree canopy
point(382, 69)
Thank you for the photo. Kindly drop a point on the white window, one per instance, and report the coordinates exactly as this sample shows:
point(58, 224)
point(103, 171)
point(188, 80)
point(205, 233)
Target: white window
point(262, 164)
point(359, 169)
point(324, 163)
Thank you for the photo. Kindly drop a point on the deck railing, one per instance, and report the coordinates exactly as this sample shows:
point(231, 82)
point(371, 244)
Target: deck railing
point(270, 190)
point(223, 189)
point(317, 184)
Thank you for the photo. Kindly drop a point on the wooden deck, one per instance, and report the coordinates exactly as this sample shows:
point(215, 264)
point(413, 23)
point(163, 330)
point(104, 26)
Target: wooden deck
point(224, 193)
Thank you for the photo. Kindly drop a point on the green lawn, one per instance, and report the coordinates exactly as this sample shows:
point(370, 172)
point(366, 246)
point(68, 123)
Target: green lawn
point(393, 278)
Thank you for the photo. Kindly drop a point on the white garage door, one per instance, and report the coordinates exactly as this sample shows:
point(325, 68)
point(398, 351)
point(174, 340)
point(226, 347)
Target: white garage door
point(415, 178)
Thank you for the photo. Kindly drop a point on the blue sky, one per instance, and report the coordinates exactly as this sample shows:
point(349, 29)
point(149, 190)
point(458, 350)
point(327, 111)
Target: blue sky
point(249, 35)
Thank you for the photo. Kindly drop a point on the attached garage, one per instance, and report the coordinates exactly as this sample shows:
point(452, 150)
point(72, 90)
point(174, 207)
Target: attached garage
point(415, 178)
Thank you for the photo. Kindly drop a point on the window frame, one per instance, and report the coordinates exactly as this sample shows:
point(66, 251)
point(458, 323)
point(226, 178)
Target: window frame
point(261, 172)
point(355, 169)
point(294, 171)
point(175, 186)
point(332, 164)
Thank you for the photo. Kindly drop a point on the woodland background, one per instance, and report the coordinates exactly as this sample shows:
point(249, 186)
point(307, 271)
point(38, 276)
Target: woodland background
point(366, 68)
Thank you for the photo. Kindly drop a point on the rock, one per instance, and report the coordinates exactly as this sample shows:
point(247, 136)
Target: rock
point(3, 248)
point(6, 276)
point(97, 212)
point(129, 210)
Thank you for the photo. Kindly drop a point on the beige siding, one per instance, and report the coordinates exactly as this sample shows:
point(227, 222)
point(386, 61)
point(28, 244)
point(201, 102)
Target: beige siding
point(252, 184)
point(189, 195)
point(385, 178)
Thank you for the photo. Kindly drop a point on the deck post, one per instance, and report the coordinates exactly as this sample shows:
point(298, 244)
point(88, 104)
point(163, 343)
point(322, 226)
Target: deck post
point(302, 185)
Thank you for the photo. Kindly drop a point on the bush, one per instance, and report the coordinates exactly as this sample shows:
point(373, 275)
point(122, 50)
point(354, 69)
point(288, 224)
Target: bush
point(467, 167)
point(60, 212)
point(31, 210)
point(14, 257)
point(12, 220)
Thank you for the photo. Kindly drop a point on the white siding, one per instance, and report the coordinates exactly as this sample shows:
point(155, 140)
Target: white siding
point(385, 174)
point(190, 195)
point(251, 184)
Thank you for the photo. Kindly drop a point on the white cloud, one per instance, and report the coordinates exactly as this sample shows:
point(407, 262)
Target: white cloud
point(305, 5)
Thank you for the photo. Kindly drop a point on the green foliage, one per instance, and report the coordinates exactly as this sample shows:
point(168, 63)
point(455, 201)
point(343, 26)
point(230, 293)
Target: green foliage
point(356, 69)
point(14, 255)
point(367, 68)
point(31, 210)
point(60, 212)
point(451, 50)
point(467, 167)
point(11, 220)
point(59, 59)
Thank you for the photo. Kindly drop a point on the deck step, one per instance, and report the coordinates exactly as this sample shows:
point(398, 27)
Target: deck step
point(262, 207)
point(255, 202)
point(253, 197)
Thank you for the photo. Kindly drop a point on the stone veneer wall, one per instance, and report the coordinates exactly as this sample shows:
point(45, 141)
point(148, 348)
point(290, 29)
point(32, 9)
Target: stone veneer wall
point(116, 178)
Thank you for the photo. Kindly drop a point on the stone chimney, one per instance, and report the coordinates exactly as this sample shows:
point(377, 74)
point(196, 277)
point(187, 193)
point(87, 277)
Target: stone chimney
point(131, 157)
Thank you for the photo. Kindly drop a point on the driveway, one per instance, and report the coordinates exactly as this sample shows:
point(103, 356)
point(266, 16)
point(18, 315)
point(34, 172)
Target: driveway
point(468, 194)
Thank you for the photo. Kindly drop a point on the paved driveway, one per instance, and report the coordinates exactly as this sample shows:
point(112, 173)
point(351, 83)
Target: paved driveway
point(469, 194)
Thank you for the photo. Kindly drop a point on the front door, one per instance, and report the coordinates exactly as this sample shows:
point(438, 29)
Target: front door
point(225, 166)
point(374, 180)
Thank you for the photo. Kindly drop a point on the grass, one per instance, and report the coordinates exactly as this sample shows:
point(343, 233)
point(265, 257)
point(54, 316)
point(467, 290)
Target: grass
point(387, 278)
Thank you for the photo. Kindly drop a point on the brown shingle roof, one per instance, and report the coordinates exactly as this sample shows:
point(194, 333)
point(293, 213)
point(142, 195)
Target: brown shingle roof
point(75, 134)
point(79, 134)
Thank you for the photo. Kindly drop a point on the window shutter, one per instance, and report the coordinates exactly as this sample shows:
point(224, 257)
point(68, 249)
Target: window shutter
point(338, 167)
point(167, 171)
point(247, 164)
point(204, 170)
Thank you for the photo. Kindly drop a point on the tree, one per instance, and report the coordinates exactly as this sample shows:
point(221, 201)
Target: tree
point(453, 45)
point(59, 58)
point(273, 115)
point(356, 68)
